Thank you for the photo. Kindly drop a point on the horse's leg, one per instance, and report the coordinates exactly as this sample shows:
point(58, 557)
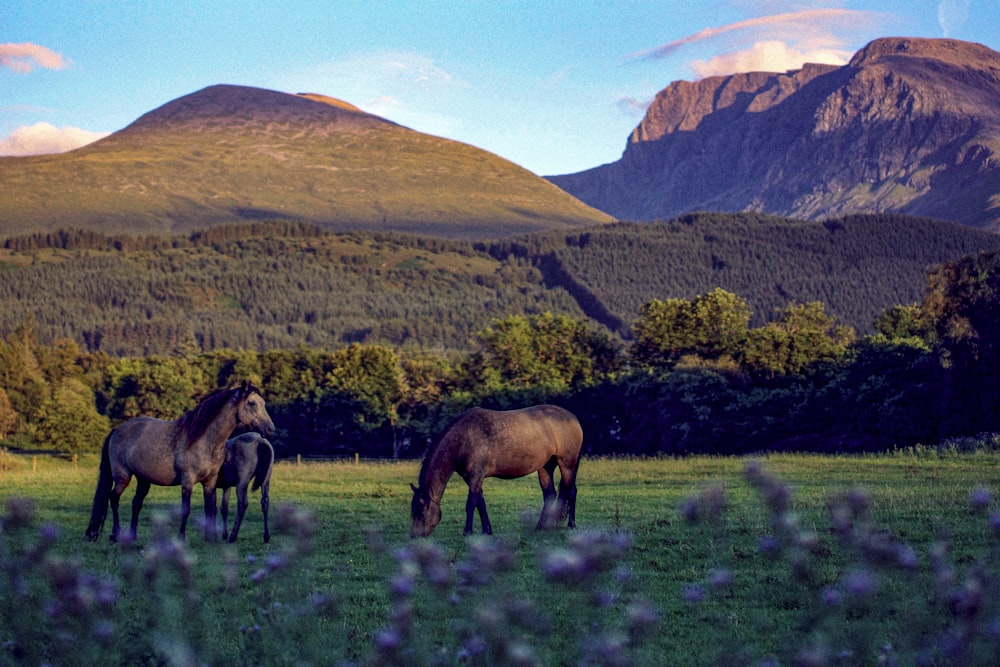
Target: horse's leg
point(567, 492)
point(475, 502)
point(187, 487)
point(211, 511)
point(113, 500)
point(548, 495)
point(265, 505)
point(141, 490)
point(224, 511)
point(241, 509)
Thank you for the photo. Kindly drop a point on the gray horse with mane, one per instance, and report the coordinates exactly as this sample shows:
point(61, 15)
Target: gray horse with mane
point(506, 444)
point(186, 451)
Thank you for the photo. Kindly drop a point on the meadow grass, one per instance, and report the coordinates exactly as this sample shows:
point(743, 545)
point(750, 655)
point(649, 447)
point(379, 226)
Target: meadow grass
point(783, 559)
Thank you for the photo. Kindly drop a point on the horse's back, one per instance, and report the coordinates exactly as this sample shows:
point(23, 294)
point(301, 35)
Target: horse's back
point(513, 443)
point(560, 425)
point(144, 446)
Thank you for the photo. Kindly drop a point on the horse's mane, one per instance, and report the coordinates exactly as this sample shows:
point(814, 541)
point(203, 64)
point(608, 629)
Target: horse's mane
point(425, 462)
point(195, 421)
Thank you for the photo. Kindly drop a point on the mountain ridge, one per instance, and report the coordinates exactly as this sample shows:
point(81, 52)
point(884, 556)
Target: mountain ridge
point(907, 126)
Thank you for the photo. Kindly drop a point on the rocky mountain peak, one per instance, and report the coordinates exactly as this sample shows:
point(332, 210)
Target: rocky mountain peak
point(907, 126)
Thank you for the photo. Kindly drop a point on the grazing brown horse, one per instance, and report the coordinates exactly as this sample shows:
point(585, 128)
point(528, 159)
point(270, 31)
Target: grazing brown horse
point(506, 444)
point(186, 451)
point(248, 457)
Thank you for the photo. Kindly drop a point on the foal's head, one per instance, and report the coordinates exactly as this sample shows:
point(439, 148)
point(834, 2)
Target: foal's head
point(426, 513)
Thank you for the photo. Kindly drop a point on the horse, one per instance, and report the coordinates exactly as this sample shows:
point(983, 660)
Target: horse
point(483, 443)
point(186, 451)
point(248, 457)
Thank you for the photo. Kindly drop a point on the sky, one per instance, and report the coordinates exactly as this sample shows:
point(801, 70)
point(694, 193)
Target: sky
point(553, 85)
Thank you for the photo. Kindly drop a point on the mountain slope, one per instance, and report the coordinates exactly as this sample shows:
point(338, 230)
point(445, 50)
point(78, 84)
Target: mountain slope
point(279, 285)
point(230, 153)
point(908, 126)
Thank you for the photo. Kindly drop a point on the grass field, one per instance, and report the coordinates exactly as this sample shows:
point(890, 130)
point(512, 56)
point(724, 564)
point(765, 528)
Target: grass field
point(676, 561)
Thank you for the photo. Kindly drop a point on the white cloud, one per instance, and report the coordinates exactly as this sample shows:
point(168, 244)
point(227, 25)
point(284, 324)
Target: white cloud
point(24, 57)
point(767, 56)
point(42, 138)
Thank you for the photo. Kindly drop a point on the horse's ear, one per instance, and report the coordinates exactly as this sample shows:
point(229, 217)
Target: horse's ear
point(413, 487)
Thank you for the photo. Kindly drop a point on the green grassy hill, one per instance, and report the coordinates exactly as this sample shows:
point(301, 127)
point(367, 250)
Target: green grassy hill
point(273, 285)
point(230, 153)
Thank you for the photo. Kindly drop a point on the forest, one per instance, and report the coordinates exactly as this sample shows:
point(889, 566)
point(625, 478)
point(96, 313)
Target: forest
point(279, 285)
point(694, 375)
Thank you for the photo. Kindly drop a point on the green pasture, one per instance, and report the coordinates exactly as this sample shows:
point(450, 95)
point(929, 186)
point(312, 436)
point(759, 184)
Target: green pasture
point(340, 530)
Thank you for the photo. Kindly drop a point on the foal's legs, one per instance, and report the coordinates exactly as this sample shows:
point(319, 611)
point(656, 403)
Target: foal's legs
point(241, 509)
point(224, 510)
point(550, 514)
point(265, 504)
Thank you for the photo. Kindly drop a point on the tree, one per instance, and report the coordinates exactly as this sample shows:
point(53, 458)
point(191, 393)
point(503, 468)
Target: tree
point(906, 323)
point(372, 379)
point(552, 352)
point(711, 326)
point(8, 416)
point(162, 387)
point(963, 304)
point(69, 421)
point(803, 335)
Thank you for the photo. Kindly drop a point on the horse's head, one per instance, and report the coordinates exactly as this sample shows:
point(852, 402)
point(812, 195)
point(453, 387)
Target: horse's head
point(251, 410)
point(426, 513)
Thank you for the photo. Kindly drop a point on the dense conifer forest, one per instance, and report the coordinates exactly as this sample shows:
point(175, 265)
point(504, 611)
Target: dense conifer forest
point(856, 265)
point(276, 285)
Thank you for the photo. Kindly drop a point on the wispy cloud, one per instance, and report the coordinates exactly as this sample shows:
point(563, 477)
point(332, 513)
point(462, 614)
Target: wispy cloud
point(395, 73)
point(952, 15)
point(777, 42)
point(405, 86)
point(24, 57)
point(42, 138)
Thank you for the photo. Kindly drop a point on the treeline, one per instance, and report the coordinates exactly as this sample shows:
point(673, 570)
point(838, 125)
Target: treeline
point(271, 285)
point(697, 376)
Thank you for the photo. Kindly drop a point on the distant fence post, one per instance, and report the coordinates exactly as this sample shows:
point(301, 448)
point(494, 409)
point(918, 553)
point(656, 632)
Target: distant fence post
point(298, 459)
point(357, 459)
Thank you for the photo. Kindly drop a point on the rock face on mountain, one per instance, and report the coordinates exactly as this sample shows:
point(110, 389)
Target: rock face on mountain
point(233, 153)
point(908, 125)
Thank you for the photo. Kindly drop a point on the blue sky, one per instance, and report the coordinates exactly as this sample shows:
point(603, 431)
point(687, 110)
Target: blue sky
point(553, 85)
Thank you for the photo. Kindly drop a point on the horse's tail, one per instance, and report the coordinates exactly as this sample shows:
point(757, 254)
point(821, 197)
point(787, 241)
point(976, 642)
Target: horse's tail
point(265, 462)
point(102, 494)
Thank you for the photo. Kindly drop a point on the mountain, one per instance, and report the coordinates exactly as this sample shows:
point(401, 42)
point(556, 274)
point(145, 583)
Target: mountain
point(233, 153)
point(907, 126)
